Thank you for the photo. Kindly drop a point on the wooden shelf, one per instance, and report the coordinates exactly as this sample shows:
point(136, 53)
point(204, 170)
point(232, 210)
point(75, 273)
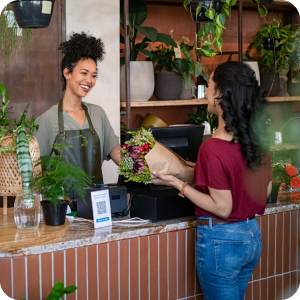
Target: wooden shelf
point(194, 102)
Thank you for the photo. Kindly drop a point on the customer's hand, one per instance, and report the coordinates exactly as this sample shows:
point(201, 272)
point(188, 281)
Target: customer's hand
point(163, 179)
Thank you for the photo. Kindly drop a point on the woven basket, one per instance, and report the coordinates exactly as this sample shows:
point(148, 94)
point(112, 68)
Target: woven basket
point(10, 179)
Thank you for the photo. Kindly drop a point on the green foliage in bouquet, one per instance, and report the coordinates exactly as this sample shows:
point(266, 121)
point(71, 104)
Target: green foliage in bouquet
point(133, 165)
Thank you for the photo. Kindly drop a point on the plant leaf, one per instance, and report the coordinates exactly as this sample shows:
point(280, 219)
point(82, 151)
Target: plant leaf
point(210, 13)
point(70, 289)
point(218, 43)
point(164, 38)
point(198, 69)
point(146, 52)
point(148, 32)
point(198, 9)
point(220, 20)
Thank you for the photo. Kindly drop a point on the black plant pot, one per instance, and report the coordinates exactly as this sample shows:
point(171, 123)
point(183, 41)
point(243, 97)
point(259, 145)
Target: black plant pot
point(266, 81)
point(32, 13)
point(293, 88)
point(273, 197)
point(264, 1)
point(201, 17)
point(54, 216)
point(167, 85)
point(269, 43)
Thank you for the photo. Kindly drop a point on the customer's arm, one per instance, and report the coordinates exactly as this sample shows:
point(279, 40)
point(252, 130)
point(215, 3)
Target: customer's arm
point(219, 202)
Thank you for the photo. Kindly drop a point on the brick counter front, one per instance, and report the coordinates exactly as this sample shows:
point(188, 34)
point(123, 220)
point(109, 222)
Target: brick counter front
point(156, 261)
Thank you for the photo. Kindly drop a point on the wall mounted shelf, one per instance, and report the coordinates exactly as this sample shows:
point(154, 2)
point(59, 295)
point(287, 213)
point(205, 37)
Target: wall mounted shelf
point(195, 102)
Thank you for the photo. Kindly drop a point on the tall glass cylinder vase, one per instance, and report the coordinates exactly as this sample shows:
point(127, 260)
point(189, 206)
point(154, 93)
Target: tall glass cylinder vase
point(27, 211)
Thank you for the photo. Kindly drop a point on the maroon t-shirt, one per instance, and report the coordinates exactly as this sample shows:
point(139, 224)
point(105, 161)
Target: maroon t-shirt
point(221, 166)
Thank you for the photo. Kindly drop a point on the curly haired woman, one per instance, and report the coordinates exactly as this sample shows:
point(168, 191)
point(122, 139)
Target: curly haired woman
point(233, 178)
point(73, 121)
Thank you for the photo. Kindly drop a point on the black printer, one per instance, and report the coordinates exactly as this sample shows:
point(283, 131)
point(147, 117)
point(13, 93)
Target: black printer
point(117, 197)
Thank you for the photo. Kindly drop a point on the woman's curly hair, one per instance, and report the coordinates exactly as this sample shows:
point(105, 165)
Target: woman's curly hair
point(80, 46)
point(244, 109)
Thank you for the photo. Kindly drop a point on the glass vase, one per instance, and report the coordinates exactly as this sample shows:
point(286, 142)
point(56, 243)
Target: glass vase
point(27, 212)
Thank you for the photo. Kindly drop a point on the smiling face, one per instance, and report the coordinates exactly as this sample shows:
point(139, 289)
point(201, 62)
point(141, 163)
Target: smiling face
point(83, 78)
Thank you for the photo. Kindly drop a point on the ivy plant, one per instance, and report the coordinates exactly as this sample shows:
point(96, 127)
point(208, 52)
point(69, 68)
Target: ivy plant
point(9, 31)
point(210, 35)
point(294, 56)
point(277, 59)
point(137, 15)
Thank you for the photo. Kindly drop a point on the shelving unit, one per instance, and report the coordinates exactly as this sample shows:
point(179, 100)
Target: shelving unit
point(194, 102)
point(281, 5)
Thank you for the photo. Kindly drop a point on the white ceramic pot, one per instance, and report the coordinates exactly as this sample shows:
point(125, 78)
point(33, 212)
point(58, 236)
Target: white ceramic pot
point(254, 66)
point(186, 94)
point(141, 81)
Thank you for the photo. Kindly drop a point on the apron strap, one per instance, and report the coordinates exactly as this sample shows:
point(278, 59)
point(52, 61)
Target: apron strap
point(93, 131)
point(61, 131)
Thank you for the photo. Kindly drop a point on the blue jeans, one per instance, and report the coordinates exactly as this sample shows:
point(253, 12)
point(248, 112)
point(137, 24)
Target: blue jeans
point(226, 257)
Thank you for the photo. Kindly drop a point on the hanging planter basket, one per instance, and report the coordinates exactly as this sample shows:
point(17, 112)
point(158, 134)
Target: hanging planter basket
point(201, 17)
point(269, 43)
point(32, 13)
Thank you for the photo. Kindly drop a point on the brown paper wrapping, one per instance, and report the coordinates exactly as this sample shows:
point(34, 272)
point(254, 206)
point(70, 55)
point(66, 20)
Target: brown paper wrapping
point(166, 162)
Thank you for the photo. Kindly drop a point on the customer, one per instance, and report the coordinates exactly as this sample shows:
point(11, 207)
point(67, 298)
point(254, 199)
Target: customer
point(233, 178)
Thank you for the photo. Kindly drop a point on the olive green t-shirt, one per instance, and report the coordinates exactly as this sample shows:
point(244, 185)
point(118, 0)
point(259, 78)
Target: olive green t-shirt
point(48, 129)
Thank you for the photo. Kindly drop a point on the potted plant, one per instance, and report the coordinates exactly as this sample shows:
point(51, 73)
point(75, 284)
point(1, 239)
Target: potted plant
point(272, 61)
point(33, 13)
point(293, 84)
point(210, 35)
point(203, 116)
point(17, 151)
point(54, 180)
point(141, 72)
point(9, 31)
point(199, 9)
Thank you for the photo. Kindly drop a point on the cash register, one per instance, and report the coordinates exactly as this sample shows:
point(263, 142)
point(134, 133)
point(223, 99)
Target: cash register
point(162, 202)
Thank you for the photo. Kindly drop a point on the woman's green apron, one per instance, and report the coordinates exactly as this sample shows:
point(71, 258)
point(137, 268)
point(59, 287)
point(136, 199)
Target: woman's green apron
point(87, 158)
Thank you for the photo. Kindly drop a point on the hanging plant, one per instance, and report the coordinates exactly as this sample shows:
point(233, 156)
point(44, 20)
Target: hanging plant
point(9, 32)
point(210, 35)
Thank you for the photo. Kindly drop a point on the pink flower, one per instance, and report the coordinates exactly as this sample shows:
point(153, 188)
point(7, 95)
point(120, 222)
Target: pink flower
point(138, 166)
point(133, 152)
point(283, 184)
point(171, 32)
point(141, 149)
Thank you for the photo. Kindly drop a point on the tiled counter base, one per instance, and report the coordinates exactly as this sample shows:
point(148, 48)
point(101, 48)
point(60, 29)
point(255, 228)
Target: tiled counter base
point(154, 262)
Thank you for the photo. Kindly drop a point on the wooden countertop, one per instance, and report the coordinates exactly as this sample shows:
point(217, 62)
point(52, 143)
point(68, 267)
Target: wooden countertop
point(12, 239)
point(82, 232)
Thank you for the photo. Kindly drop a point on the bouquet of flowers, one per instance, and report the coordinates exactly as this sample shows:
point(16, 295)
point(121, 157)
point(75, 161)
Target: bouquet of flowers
point(142, 155)
point(286, 175)
point(133, 165)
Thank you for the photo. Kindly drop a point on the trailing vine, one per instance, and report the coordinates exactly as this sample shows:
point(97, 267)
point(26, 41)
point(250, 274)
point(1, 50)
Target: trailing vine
point(9, 35)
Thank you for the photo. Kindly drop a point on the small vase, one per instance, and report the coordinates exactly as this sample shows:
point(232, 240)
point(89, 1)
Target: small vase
point(27, 212)
point(274, 194)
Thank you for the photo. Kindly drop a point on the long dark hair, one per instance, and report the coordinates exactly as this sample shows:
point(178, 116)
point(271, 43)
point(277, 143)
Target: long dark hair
point(80, 46)
point(243, 103)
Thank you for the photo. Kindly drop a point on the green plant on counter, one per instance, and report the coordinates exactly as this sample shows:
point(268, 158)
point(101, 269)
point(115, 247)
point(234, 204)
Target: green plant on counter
point(210, 35)
point(58, 291)
point(270, 60)
point(201, 116)
point(9, 32)
point(137, 15)
point(58, 176)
